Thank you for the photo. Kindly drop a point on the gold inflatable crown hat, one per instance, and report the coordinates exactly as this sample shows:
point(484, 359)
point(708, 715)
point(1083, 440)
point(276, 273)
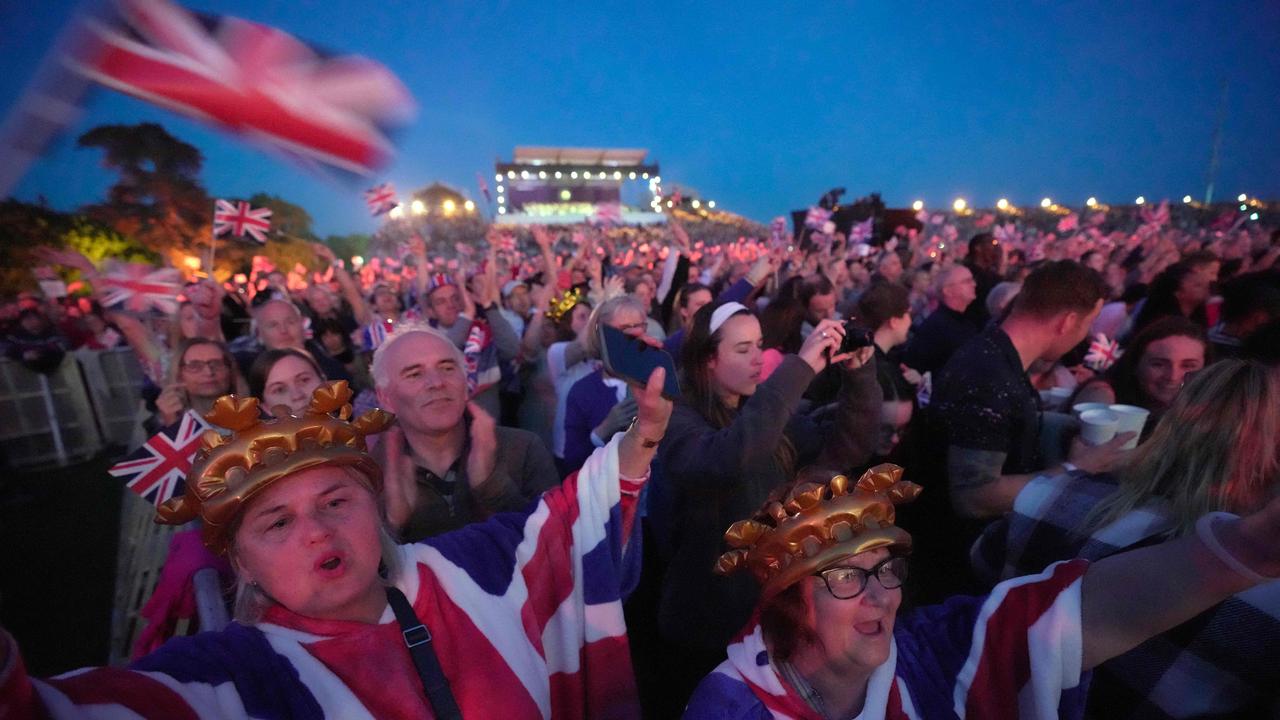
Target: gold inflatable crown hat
point(563, 304)
point(817, 525)
point(230, 470)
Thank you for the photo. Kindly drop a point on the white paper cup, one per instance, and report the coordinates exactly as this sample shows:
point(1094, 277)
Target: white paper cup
point(1080, 408)
point(1098, 426)
point(1053, 398)
point(1132, 419)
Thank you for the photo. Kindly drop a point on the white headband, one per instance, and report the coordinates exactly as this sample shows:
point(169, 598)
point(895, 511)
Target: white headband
point(722, 313)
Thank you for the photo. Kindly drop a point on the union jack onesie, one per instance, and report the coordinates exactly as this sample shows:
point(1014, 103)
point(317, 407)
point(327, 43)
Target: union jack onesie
point(524, 609)
point(1015, 653)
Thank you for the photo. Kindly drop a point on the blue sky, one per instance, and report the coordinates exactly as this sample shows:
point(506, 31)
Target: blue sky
point(762, 106)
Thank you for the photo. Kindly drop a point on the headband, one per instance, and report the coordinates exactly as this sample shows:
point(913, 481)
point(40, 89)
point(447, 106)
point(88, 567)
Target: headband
point(723, 313)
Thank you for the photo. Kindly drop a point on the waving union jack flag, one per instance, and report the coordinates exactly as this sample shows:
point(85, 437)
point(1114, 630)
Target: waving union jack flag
point(816, 217)
point(155, 469)
point(1103, 353)
point(138, 287)
point(240, 219)
point(381, 199)
point(247, 78)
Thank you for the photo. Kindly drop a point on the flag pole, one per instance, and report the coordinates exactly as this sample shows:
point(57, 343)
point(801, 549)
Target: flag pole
point(213, 242)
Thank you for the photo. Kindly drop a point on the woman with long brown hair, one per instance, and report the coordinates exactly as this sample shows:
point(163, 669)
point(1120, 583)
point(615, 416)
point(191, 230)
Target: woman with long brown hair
point(733, 439)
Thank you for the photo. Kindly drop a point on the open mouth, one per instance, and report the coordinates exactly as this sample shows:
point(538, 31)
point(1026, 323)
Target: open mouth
point(875, 627)
point(330, 565)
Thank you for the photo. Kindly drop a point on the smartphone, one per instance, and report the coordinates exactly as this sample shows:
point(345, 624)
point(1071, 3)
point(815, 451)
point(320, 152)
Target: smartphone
point(634, 360)
point(855, 338)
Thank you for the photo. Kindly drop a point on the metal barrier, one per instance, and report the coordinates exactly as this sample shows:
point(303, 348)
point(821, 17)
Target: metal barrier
point(92, 399)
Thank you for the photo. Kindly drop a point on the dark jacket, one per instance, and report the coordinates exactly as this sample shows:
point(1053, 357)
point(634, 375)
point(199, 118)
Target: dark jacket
point(523, 471)
point(937, 339)
point(717, 477)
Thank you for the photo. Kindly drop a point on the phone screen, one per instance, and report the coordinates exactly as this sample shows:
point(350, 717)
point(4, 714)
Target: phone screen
point(634, 360)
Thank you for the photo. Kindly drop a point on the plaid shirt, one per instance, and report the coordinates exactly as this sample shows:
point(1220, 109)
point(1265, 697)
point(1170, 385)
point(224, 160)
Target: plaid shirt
point(1225, 662)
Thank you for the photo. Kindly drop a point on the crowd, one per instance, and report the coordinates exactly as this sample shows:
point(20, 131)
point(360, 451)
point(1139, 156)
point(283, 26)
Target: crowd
point(907, 475)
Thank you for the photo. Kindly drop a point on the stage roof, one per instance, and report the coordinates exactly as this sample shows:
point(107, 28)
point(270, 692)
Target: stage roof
point(607, 157)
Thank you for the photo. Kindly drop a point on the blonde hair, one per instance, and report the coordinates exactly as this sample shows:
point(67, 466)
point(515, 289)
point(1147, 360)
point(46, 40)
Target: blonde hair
point(1217, 448)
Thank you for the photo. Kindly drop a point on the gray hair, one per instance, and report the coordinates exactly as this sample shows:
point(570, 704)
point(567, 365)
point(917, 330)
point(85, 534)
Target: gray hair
point(378, 368)
point(1000, 297)
point(603, 313)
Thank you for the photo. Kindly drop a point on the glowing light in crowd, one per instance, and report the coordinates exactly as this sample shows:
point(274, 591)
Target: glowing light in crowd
point(1140, 200)
point(565, 194)
point(1002, 203)
point(498, 177)
point(1253, 216)
point(502, 211)
point(574, 174)
point(1046, 203)
point(645, 176)
point(511, 174)
point(1091, 202)
point(1186, 198)
point(524, 174)
point(711, 204)
point(1242, 197)
point(617, 175)
point(397, 212)
point(357, 260)
point(542, 174)
point(631, 176)
point(558, 174)
point(917, 205)
point(657, 179)
point(468, 206)
point(501, 189)
point(417, 207)
point(192, 262)
point(1244, 207)
point(670, 204)
point(696, 204)
point(448, 206)
point(959, 204)
point(502, 200)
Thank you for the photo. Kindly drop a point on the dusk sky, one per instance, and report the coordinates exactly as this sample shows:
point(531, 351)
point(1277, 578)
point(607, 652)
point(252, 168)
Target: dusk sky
point(761, 106)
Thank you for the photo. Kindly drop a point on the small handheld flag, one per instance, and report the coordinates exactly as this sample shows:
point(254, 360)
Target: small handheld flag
point(240, 219)
point(1103, 353)
point(155, 470)
point(381, 199)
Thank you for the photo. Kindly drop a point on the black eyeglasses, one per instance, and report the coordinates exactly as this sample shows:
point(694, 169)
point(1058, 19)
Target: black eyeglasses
point(849, 582)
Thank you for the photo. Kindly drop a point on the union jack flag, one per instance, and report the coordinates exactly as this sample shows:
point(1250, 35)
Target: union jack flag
point(381, 199)
point(240, 219)
point(155, 469)
point(139, 287)
point(247, 78)
point(861, 232)
point(816, 217)
point(1103, 353)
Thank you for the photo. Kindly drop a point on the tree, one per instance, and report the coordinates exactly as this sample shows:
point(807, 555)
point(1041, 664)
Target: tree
point(158, 199)
point(286, 218)
point(24, 227)
point(348, 246)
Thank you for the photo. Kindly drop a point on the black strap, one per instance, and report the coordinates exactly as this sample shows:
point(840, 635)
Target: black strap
point(418, 639)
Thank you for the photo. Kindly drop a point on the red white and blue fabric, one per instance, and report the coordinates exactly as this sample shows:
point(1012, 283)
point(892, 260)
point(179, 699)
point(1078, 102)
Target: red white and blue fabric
point(156, 469)
point(239, 219)
point(524, 609)
point(137, 287)
point(439, 280)
point(381, 199)
point(778, 231)
point(250, 79)
point(1103, 353)
point(861, 232)
point(816, 217)
point(1015, 653)
point(484, 188)
point(481, 356)
point(1224, 663)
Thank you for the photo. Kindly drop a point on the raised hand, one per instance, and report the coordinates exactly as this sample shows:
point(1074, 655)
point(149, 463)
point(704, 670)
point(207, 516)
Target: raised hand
point(822, 344)
point(399, 486)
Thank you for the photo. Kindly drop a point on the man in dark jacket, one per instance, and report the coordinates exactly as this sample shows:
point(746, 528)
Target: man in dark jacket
point(944, 331)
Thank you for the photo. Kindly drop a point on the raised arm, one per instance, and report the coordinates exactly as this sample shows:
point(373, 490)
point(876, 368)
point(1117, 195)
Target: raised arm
point(349, 290)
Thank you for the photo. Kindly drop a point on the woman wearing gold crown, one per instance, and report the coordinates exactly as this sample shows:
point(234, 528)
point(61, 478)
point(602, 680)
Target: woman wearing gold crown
point(516, 617)
point(826, 640)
